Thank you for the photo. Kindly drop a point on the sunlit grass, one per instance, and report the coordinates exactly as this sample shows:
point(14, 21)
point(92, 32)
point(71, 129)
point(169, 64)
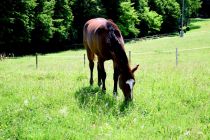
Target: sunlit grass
point(55, 101)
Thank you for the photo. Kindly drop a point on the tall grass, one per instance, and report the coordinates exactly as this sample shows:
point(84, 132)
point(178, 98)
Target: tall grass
point(55, 101)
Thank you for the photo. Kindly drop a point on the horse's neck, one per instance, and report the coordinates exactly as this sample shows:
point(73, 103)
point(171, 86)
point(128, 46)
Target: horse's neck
point(124, 69)
point(121, 61)
point(118, 52)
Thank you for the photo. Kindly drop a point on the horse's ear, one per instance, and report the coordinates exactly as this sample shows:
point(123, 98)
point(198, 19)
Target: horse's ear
point(135, 68)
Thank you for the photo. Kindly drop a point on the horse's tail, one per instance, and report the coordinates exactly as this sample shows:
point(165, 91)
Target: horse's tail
point(90, 54)
point(85, 33)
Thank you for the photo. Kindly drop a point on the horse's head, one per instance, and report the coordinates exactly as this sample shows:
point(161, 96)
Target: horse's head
point(116, 44)
point(127, 82)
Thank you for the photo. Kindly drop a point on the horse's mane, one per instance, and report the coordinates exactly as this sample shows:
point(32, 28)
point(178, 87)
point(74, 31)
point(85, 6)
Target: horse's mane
point(117, 45)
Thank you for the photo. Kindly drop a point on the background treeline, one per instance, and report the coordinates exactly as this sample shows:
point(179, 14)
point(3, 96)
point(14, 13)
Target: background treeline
point(28, 26)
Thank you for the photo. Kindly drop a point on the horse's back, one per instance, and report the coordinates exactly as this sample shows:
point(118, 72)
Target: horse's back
point(94, 24)
point(94, 37)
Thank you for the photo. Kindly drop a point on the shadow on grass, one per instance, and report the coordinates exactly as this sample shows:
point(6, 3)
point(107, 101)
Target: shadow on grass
point(193, 22)
point(93, 99)
point(193, 27)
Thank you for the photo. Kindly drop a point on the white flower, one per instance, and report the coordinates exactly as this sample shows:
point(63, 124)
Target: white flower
point(48, 117)
point(64, 111)
point(26, 102)
point(135, 120)
point(33, 97)
point(187, 133)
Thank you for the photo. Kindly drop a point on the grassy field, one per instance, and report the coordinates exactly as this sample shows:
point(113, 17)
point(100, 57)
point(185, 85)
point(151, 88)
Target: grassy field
point(56, 102)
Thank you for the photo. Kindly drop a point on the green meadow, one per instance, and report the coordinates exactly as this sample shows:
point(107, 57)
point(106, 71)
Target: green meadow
point(55, 101)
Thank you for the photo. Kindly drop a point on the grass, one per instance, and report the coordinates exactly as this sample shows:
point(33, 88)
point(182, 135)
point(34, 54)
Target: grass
point(55, 101)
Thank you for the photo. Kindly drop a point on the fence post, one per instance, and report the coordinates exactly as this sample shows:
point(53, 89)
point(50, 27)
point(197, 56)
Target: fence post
point(176, 56)
point(84, 59)
point(130, 57)
point(36, 60)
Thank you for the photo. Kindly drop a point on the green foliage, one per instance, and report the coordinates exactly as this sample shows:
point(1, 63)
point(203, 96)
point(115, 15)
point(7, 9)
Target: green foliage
point(194, 6)
point(44, 26)
point(191, 8)
point(43, 31)
point(139, 5)
point(62, 20)
point(111, 8)
point(169, 10)
point(16, 21)
point(150, 22)
point(84, 10)
point(35, 23)
point(128, 20)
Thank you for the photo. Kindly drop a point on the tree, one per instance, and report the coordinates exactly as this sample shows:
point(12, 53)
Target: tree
point(204, 11)
point(128, 20)
point(16, 21)
point(83, 10)
point(150, 21)
point(139, 5)
point(191, 7)
point(112, 8)
point(62, 21)
point(170, 11)
point(43, 21)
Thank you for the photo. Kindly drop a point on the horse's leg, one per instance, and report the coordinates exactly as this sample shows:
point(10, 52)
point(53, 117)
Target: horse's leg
point(99, 75)
point(91, 66)
point(103, 74)
point(116, 75)
point(90, 56)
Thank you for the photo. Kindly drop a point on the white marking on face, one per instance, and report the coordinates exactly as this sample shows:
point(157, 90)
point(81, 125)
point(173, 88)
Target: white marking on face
point(130, 82)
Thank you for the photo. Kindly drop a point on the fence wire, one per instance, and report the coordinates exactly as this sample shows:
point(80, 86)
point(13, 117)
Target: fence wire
point(69, 62)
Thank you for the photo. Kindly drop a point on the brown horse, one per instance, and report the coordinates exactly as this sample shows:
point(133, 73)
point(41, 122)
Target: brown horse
point(103, 38)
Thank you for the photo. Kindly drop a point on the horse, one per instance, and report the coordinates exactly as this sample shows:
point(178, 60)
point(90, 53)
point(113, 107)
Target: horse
point(103, 38)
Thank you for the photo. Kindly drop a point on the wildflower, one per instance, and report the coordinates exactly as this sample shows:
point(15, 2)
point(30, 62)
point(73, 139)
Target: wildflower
point(26, 102)
point(187, 133)
point(33, 97)
point(48, 117)
point(64, 111)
